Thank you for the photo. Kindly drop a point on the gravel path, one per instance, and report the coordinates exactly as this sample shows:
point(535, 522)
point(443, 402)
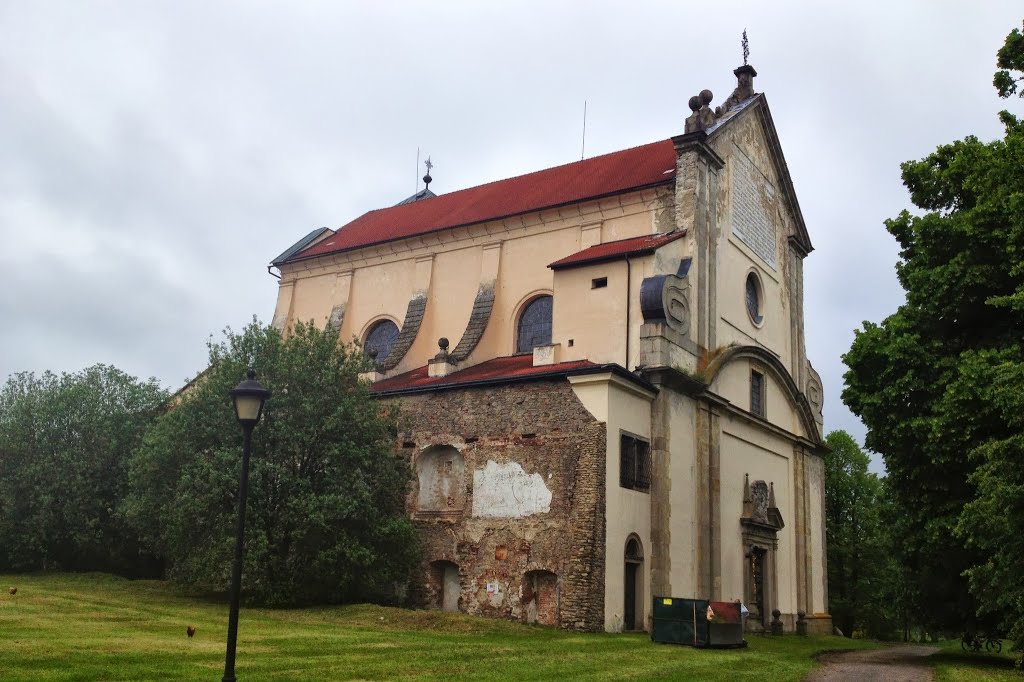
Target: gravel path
point(896, 664)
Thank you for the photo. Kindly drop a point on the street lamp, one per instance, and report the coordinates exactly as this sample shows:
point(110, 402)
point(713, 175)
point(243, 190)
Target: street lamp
point(249, 398)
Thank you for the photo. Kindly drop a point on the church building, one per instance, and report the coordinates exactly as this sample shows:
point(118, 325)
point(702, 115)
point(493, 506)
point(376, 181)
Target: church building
point(601, 377)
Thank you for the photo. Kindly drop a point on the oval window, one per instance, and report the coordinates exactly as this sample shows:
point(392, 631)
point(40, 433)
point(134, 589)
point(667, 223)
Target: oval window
point(754, 298)
point(380, 339)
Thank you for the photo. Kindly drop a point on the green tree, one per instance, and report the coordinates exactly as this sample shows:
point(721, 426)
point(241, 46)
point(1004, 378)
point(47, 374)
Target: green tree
point(325, 519)
point(859, 570)
point(933, 381)
point(65, 442)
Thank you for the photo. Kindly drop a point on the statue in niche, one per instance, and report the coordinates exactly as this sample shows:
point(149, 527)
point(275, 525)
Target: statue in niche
point(759, 501)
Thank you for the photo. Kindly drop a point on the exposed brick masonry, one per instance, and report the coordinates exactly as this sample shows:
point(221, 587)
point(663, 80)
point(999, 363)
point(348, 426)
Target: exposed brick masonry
point(544, 428)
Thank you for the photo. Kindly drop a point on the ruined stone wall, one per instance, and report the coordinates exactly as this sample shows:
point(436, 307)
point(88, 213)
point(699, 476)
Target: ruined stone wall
point(533, 461)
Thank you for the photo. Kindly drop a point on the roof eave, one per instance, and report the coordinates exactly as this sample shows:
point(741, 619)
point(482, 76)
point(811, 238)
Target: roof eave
point(596, 197)
point(614, 368)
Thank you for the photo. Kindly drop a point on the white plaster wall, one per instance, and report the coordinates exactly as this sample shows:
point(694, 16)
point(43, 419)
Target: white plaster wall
point(746, 449)
point(628, 511)
point(743, 143)
point(733, 384)
point(622, 407)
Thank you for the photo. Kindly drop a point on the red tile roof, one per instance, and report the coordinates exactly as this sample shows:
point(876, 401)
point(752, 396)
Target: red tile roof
point(634, 246)
point(514, 367)
point(630, 169)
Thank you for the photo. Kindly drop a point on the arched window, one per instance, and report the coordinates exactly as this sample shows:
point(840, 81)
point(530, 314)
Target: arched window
point(534, 325)
point(379, 339)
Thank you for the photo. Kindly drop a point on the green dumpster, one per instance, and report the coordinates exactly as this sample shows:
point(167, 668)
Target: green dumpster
point(677, 620)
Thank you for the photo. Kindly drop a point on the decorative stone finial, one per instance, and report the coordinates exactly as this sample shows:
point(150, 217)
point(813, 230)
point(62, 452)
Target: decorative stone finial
point(426, 178)
point(702, 117)
point(442, 344)
point(442, 364)
point(801, 623)
point(776, 622)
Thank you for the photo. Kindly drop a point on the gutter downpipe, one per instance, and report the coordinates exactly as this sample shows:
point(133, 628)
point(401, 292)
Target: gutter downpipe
point(629, 281)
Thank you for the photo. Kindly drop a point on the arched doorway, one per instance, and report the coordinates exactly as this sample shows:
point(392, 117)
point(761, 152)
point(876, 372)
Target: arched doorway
point(445, 587)
point(633, 588)
point(540, 597)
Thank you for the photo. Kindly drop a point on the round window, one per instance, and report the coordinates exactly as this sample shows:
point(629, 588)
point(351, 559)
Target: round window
point(754, 298)
point(379, 340)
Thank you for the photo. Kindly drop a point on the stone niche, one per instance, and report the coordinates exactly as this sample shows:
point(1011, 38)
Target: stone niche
point(440, 471)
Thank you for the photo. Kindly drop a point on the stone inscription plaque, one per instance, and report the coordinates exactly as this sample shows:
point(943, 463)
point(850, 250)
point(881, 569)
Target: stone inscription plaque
point(751, 222)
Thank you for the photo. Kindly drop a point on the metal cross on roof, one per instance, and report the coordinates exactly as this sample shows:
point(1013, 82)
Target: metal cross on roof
point(746, 47)
point(430, 165)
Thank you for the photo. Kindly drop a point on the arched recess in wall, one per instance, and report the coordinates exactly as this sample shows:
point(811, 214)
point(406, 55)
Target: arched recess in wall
point(534, 322)
point(770, 362)
point(444, 586)
point(633, 585)
point(440, 471)
point(540, 597)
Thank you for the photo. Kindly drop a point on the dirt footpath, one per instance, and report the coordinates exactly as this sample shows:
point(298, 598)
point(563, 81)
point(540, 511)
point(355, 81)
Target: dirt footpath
point(896, 664)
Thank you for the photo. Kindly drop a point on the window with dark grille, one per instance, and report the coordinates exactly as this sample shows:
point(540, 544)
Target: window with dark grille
point(378, 341)
point(534, 325)
point(634, 463)
point(757, 393)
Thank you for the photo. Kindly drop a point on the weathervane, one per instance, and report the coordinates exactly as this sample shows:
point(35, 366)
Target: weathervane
point(746, 47)
point(427, 178)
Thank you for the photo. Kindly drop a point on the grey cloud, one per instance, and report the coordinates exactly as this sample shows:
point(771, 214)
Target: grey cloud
point(160, 154)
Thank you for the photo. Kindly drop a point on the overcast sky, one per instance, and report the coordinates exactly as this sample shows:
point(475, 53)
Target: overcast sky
point(155, 156)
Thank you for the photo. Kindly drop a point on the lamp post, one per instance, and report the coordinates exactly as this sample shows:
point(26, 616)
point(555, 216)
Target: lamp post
point(249, 398)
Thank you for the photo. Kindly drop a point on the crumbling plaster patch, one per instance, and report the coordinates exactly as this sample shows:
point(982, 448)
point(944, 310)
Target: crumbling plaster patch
point(507, 491)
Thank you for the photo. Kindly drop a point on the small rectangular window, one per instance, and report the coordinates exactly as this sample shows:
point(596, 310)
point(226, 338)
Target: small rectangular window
point(757, 393)
point(634, 463)
point(599, 283)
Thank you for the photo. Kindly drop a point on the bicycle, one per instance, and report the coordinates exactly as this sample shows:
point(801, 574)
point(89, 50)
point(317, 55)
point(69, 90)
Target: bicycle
point(970, 642)
point(993, 645)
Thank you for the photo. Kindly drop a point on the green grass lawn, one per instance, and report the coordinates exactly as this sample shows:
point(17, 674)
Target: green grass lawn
point(952, 664)
point(98, 627)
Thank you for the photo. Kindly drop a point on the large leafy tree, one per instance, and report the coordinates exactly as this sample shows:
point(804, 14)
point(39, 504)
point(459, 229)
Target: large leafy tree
point(861, 579)
point(65, 442)
point(326, 518)
point(937, 383)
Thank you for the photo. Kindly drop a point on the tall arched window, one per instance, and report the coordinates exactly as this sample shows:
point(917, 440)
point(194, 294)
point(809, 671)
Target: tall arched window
point(534, 325)
point(379, 339)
